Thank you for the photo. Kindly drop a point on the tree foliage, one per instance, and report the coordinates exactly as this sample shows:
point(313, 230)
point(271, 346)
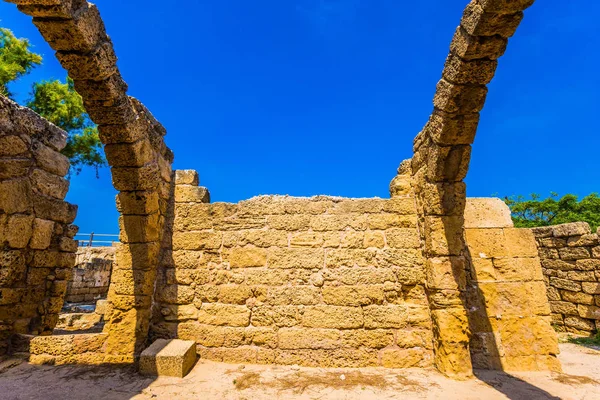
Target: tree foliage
point(535, 211)
point(60, 104)
point(16, 60)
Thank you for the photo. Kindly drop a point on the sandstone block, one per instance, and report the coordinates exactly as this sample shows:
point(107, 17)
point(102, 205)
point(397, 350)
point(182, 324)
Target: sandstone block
point(82, 33)
point(97, 65)
point(580, 323)
point(577, 297)
point(179, 312)
point(224, 314)
point(588, 311)
point(168, 358)
point(487, 213)
point(332, 317)
point(405, 238)
point(591, 287)
point(338, 222)
point(571, 229)
point(42, 234)
point(444, 235)
point(187, 177)
point(574, 253)
point(54, 209)
point(477, 21)
point(194, 194)
point(280, 316)
point(372, 338)
point(50, 160)
point(353, 295)
point(19, 230)
point(196, 240)
point(443, 198)
point(296, 295)
point(294, 338)
point(15, 196)
point(134, 179)
point(459, 99)
point(404, 358)
point(296, 258)
point(12, 145)
point(471, 47)
point(448, 129)
point(446, 273)
point(469, 72)
point(505, 6)
point(247, 257)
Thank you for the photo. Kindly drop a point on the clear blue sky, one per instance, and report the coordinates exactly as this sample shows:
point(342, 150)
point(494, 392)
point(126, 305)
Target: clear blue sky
point(307, 97)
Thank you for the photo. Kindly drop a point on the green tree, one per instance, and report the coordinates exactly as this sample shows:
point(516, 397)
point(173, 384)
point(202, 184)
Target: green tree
point(60, 104)
point(535, 211)
point(16, 60)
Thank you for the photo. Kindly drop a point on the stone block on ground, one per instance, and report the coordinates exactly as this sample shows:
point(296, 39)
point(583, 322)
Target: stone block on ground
point(168, 358)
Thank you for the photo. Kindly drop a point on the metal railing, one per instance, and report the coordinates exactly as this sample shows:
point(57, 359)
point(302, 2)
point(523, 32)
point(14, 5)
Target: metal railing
point(89, 239)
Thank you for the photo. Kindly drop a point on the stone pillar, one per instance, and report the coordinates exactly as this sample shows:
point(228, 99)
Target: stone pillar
point(508, 309)
point(441, 159)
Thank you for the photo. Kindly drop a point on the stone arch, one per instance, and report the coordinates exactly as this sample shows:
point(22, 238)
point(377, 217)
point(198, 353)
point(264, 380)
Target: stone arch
point(135, 149)
point(440, 163)
point(141, 166)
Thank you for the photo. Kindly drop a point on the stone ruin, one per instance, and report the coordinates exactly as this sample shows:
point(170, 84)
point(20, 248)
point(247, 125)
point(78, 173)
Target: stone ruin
point(410, 281)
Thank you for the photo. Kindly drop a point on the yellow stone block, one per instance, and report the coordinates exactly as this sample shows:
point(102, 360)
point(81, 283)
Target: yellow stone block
point(353, 295)
point(405, 358)
point(224, 315)
point(332, 317)
point(247, 257)
point(294, 338)
point(372, 338)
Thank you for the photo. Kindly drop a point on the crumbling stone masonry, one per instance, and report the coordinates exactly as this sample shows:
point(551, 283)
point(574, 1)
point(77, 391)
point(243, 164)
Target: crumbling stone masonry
point(139, 159)
point(570, 255)
point(91, 274)
point(321, 281)
point(37, 249)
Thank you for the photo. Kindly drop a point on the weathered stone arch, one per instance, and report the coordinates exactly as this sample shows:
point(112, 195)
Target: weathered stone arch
point(441, 158)
point(139, 159)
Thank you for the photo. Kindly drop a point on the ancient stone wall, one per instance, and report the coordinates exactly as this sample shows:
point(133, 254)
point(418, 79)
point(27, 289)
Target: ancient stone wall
point(570, 255)
point(507, 308)
point(37, 250)
point(135, 149)
point(319, 281)
point(91, 274)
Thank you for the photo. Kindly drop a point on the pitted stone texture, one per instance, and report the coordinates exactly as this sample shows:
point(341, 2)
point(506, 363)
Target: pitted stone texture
point(483, 212)
point(36, 249)
point(168, 358)
point(255, 281)
point(570, 256)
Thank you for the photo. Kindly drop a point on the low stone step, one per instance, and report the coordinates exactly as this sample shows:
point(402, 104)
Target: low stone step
point(168, 358)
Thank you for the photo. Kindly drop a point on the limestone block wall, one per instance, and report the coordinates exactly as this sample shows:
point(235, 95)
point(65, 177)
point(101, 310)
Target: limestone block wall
point(570, 255)
point(37, 250)
point(507, 308)
point(319, 281)
point(91, 274)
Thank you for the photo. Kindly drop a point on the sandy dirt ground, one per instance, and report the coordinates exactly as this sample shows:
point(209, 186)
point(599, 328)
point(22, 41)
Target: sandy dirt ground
point(210, 380)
